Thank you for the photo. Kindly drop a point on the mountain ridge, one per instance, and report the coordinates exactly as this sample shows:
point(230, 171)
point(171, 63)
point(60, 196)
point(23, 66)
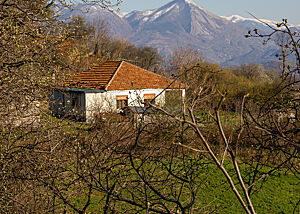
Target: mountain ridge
point(184, 23)
point(260, 24)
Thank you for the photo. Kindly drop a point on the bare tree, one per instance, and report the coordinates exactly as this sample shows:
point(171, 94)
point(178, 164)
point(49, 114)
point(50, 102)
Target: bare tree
point(30, 64)
point(50, 165)
point(273, 126)
point(270, 128)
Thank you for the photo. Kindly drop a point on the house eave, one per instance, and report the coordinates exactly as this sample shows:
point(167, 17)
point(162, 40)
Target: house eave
point(83, 90)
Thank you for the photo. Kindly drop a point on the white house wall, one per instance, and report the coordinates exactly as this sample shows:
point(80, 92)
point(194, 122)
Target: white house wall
point(106, 101)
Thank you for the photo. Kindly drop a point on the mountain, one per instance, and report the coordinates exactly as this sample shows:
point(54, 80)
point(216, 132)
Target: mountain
point(255, 23)
point(176, 16)
point(115, 24)
point(182, 23)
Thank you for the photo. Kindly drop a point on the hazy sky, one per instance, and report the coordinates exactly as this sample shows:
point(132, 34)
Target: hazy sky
point(264, 9)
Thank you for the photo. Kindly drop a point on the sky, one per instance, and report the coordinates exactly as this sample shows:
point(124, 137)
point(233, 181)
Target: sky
point(263, 9)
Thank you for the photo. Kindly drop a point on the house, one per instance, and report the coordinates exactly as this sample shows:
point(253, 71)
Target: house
point(110, 87)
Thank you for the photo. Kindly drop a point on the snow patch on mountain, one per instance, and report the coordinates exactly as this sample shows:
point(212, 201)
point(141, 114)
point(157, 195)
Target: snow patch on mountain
point(162, 12)
point(190, 2)
point(252, 21)
point(239, 19)
point(121, 14)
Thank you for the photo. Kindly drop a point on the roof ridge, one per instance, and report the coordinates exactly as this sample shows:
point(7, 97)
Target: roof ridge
point(115, 73)
point(119, 75)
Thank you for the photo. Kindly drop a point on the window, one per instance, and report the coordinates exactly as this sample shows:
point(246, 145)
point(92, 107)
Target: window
point(122, 101)
point(149, 98)
point(74, 102)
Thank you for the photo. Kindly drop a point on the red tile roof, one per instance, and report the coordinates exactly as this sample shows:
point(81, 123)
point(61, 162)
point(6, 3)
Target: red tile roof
point(120, 75)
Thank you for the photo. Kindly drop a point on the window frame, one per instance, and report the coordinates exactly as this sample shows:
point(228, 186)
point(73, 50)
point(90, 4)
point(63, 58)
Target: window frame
point(149, 98)
point(121, 101)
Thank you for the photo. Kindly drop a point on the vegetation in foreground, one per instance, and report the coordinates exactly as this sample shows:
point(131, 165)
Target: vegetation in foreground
point(173, 163)
point(279, 194)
